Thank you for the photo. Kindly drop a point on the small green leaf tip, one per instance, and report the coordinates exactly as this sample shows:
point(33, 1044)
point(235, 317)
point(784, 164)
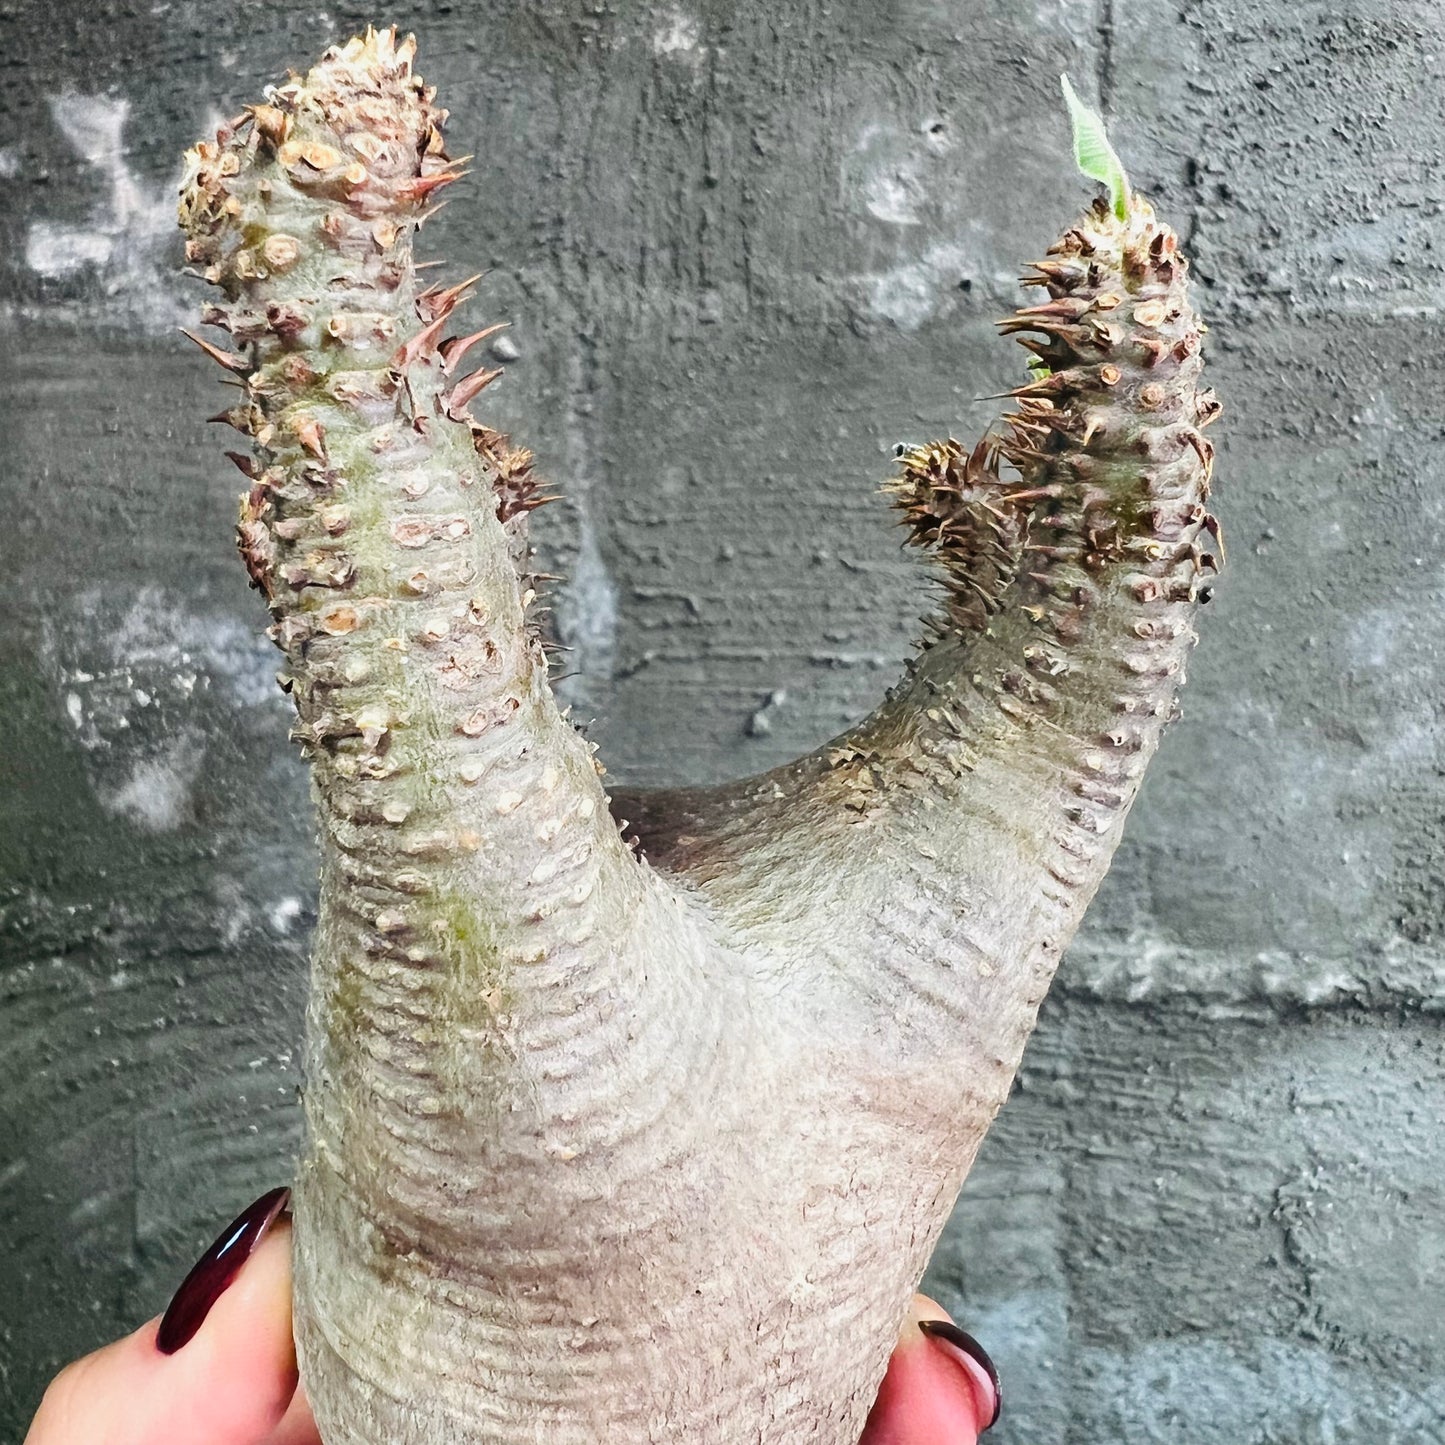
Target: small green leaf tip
point(1093, 154)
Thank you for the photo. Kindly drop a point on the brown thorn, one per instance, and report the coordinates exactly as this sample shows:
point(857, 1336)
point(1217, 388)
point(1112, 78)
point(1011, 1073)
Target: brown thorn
point(427, 214)
point(1048, 326)
point(228, 359)
point(1043, 349)
point(1033, 494)
point(423, 186)
point(434, 302)
point(1067, 308)
point(467, 388)
point(312, 436)
point(1202, 447)
point(1056, 270)
point(1152, 348)
point(1044, 386)
point(247, 466)
point(1212, 526)
point(1024, 456)
point(452, 351)
point(424, 341)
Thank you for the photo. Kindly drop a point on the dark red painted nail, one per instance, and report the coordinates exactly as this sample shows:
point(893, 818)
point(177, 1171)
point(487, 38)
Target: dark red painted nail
point(213, 1273)
point(950, 1333)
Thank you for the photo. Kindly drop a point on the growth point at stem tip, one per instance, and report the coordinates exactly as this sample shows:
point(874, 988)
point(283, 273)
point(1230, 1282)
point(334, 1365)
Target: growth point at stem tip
point(1093, 154)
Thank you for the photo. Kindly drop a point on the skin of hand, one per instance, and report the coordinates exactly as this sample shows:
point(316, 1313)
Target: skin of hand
point(940, 1387)
point(233, 1383)
point(219, 1368)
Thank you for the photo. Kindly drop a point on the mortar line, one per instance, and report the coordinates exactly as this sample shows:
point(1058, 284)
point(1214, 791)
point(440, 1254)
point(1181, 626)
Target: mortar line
point(1106, 57)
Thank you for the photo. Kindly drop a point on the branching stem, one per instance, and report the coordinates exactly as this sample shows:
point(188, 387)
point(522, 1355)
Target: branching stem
point(623, 1145)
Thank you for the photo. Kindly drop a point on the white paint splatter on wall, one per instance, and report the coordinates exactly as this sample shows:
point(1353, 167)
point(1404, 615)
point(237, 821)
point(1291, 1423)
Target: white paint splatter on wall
point(587, 602)
point(904, 183)
point(126, 680)
point(591, 601)
point(114, 662)
point(885, 172)
point(680, 38)
point(1076, 19)
point(914, 291)
point(284, 914)
point(124, 240)
point(156, 790)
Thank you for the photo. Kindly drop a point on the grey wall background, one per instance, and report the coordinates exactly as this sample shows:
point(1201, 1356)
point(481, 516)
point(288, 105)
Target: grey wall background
point(746, 246)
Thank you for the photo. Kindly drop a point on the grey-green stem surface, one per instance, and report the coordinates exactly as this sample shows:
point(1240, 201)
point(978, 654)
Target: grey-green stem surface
point(613, 1146)
point(1212, 1203)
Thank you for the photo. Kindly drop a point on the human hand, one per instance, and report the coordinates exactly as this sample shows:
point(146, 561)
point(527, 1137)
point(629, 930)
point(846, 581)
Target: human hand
point(941, 1387)
point(219, 1367)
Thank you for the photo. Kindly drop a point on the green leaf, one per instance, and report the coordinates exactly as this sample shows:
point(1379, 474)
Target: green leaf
point(1093, 154)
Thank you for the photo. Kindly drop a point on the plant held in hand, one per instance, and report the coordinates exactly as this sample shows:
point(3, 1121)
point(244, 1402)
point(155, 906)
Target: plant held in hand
point(627, 1138)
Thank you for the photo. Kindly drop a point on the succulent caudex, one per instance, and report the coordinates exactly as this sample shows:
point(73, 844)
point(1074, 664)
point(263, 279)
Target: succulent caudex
point(648, 1138)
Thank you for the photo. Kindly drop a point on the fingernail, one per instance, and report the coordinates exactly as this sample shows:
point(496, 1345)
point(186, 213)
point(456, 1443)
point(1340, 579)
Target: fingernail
point(950, 1333)
point(212, 1274)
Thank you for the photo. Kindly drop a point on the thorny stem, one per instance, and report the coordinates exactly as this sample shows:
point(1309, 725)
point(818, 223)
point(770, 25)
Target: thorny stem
point(953, 838)
point(478, 907)
point(463, 817)
point(609, 1146)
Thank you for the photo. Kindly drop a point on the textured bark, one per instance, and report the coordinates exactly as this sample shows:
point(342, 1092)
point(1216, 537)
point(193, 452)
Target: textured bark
point(627, 1139)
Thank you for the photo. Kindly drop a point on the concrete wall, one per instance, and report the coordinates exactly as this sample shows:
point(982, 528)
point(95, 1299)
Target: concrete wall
point(747, 246)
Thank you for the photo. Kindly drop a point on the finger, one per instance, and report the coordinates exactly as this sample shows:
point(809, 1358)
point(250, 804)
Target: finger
point(940, 1387)
point(297, 1426)
point(231, 1383)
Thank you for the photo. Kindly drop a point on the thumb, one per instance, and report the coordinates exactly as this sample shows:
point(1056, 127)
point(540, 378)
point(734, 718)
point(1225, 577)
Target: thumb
point(940, 1388)
point(230, 1375)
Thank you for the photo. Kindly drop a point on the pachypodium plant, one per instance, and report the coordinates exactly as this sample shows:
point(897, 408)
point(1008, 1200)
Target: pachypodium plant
point(634, 1134)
